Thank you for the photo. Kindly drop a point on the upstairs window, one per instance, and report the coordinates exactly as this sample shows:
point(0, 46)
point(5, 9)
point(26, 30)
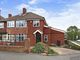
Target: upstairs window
point(10, 24)
point(21, 23)
point(1, 25)
point(36, 23)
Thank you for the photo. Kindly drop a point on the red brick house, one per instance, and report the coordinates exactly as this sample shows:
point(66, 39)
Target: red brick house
point(16, 29)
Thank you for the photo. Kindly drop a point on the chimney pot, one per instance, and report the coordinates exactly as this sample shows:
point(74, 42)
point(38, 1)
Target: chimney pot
point(24, 10)
point(9, 15)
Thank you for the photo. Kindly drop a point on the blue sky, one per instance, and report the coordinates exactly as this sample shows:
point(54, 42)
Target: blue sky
point(58, 13)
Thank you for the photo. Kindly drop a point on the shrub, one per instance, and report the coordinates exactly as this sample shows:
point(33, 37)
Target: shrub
point(38, 48)
point(43, 48)
point(50, 51)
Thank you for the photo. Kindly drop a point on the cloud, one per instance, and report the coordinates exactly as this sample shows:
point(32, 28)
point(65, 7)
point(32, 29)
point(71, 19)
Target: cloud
point(19, 7)
point(33, 1)
point(70, 16)
point(62, 20)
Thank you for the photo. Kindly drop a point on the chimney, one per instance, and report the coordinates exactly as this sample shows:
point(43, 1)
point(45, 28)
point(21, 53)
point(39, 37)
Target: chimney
point(24, 10)
point(9, 15)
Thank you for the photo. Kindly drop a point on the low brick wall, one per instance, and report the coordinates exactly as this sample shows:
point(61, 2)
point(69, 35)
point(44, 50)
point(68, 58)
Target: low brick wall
point(19, 47)
point(13, 48)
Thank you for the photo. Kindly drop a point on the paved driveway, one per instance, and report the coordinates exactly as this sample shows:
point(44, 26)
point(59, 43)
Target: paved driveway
point(24, 56)
point(65, 51)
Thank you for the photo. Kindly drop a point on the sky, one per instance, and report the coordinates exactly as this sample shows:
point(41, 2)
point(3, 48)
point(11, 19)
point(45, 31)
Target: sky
point(58, 13)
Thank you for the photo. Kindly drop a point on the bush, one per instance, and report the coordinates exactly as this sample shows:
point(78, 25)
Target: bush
point(50, 51)
point(43, 48)
point(38, 48)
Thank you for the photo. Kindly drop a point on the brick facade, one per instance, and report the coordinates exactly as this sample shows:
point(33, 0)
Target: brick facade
point(53, 35)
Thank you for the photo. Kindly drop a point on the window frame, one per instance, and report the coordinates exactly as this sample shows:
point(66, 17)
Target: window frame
point(35, 23)
point(21, 37)
point(10, 25)
point(46, 36)
point(2, 25)
point(20, 21)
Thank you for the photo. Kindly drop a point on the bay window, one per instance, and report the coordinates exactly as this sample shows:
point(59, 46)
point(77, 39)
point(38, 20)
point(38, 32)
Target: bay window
point(20, 37)
point(8, 38)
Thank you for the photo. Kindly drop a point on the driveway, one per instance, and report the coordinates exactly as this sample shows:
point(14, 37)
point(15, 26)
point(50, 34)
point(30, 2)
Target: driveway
point(24, 56)
point(65, 51)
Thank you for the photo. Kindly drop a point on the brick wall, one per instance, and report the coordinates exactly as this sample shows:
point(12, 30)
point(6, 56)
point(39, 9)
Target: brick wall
point(53, 36)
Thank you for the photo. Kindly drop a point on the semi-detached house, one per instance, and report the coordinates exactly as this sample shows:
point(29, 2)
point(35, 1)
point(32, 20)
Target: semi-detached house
point(28, 25)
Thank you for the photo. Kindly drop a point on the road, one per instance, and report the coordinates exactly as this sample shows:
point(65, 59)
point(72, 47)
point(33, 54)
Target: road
point(24, 56)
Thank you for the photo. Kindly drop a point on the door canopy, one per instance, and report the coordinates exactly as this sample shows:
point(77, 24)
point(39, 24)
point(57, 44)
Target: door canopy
point(38, 31)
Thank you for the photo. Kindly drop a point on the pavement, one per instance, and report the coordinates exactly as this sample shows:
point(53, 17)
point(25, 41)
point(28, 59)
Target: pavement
point(65, 51)
point(24, 56)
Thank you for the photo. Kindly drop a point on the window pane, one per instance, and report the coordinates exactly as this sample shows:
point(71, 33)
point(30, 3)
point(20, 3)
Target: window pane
point(20, 37)
point(5, 37)
point(17, 38)
point(12, 38)
point(36, 23)
point(1, 25)
point(10, 24)
point(21, 23)
point(45, 38)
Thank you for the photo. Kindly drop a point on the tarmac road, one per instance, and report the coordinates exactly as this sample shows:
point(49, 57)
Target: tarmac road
point(24, 56)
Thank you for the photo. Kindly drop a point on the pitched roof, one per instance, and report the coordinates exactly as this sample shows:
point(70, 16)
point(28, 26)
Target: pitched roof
point(2, 18)
point(59, 30)
point(26, 16)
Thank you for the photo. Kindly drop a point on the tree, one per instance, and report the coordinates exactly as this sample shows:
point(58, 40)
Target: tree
point(78, 34)
point(72, 33)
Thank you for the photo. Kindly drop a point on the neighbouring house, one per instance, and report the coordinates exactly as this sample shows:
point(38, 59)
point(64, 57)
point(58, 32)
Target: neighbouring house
point(28, 25)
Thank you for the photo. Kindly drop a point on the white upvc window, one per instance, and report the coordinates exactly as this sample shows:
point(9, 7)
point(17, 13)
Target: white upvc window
point(46, 38)
point(21, 23)
point(10, 23)
point(5, 37)
point(36, 23)
point(20, 37)
point(11, 38)
point(8, 38)
point(1, 25)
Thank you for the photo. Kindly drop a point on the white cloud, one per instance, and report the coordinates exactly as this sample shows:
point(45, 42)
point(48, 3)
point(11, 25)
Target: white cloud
point(33, 1)
point(19, 7)
point(38, 1)
point(71, 16)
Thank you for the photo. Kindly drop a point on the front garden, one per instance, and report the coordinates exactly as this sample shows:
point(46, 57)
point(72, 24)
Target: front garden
point(41, 48)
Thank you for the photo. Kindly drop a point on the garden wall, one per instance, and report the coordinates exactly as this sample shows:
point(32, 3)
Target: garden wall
point(9, 48)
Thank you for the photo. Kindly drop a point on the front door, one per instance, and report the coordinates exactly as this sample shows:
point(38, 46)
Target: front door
point(38, 37)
